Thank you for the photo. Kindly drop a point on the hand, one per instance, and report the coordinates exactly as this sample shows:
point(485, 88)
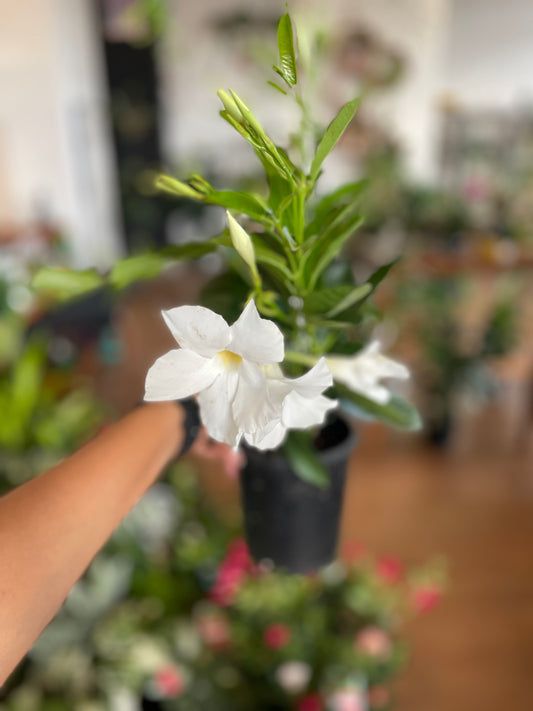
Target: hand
point(231, 460)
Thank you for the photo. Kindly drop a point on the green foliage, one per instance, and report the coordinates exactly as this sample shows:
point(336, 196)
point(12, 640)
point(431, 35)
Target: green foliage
point(288, 70)
point(302, 456)
point(133, 269)
point(225, 295)
point(501, 331)
point(335, 300)
point(397, 412)
point(64, 284)
point(332, 135)
point(43, 416)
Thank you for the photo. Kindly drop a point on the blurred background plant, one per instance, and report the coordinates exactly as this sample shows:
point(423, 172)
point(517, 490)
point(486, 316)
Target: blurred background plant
point(174, 615)
point(46, 411)
point(454, 357)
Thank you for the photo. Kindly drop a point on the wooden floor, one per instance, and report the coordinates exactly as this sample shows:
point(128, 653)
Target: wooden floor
point(475, 652)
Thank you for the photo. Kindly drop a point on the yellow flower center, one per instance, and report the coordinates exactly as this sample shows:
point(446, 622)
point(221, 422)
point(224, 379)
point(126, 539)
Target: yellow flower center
point(229, 359)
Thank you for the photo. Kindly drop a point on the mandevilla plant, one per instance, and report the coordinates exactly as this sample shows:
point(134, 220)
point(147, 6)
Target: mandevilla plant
point(288, 270)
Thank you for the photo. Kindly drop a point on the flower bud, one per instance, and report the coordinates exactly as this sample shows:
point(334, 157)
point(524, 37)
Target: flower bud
point(243, 244)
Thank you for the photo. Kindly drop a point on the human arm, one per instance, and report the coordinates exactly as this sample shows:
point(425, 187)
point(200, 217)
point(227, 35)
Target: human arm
point(52, 527)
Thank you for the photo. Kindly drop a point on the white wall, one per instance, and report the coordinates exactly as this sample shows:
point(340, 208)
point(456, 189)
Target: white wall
point(55, 150)
point(419, 29)
point(197, 62)
point(55, 157)
point(478, 51)
point(490, 53)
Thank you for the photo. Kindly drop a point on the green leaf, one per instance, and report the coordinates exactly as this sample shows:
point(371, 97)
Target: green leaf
point(276, 86)
point(132, 269)
point(194, 250)
point(333, 133)
point(338, 274)
point(357, 294)
point(335, 300)
point(278, 184)
point(279, 71)
point(324, 301)
point(328, 202)
point(326, 247)
point(66, 283)
point(265, 255)
point(397, 412)
point(326, 223)
point(200, 190)
point(251, 205)
point(26, 382)
point(304, 460)
point(380, 274)
point(226, 294)
point(287, 55)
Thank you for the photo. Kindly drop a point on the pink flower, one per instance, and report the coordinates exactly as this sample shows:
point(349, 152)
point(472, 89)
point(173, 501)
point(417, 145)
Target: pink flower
point(231, 574)
point(277, 636)
point(214, 630)
point(378, 696)
point(475, 189)
point(311, 702)
point(426, 597)
point(169, 682)
point(389, 570)
point(374, 642)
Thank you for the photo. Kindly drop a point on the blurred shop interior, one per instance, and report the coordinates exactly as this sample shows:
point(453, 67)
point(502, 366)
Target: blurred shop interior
point(97, 98)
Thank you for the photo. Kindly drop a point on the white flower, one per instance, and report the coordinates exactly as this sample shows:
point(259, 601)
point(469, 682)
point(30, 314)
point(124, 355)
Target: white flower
point(229, 367)
point(363, 371)
point(300, 404)
point(293, 676)
point(353, 699)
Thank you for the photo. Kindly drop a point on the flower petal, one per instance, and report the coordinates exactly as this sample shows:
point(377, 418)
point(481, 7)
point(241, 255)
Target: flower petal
point(198, 329)
point(390, 368)
point(255, 338)
point(380, 365)
point(302, 412)
point(315, 381)
point(362, 372)
point(177, 374)
point(269, 437)
point(253, 408)
point(215, 408)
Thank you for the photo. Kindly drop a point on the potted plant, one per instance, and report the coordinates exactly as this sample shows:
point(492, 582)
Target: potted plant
point(299, 346)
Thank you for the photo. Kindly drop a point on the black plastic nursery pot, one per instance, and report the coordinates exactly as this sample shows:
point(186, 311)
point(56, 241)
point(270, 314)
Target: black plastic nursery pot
point(290, 522)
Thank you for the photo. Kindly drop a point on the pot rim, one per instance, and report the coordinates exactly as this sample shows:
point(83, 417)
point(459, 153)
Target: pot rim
point(340, 449)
